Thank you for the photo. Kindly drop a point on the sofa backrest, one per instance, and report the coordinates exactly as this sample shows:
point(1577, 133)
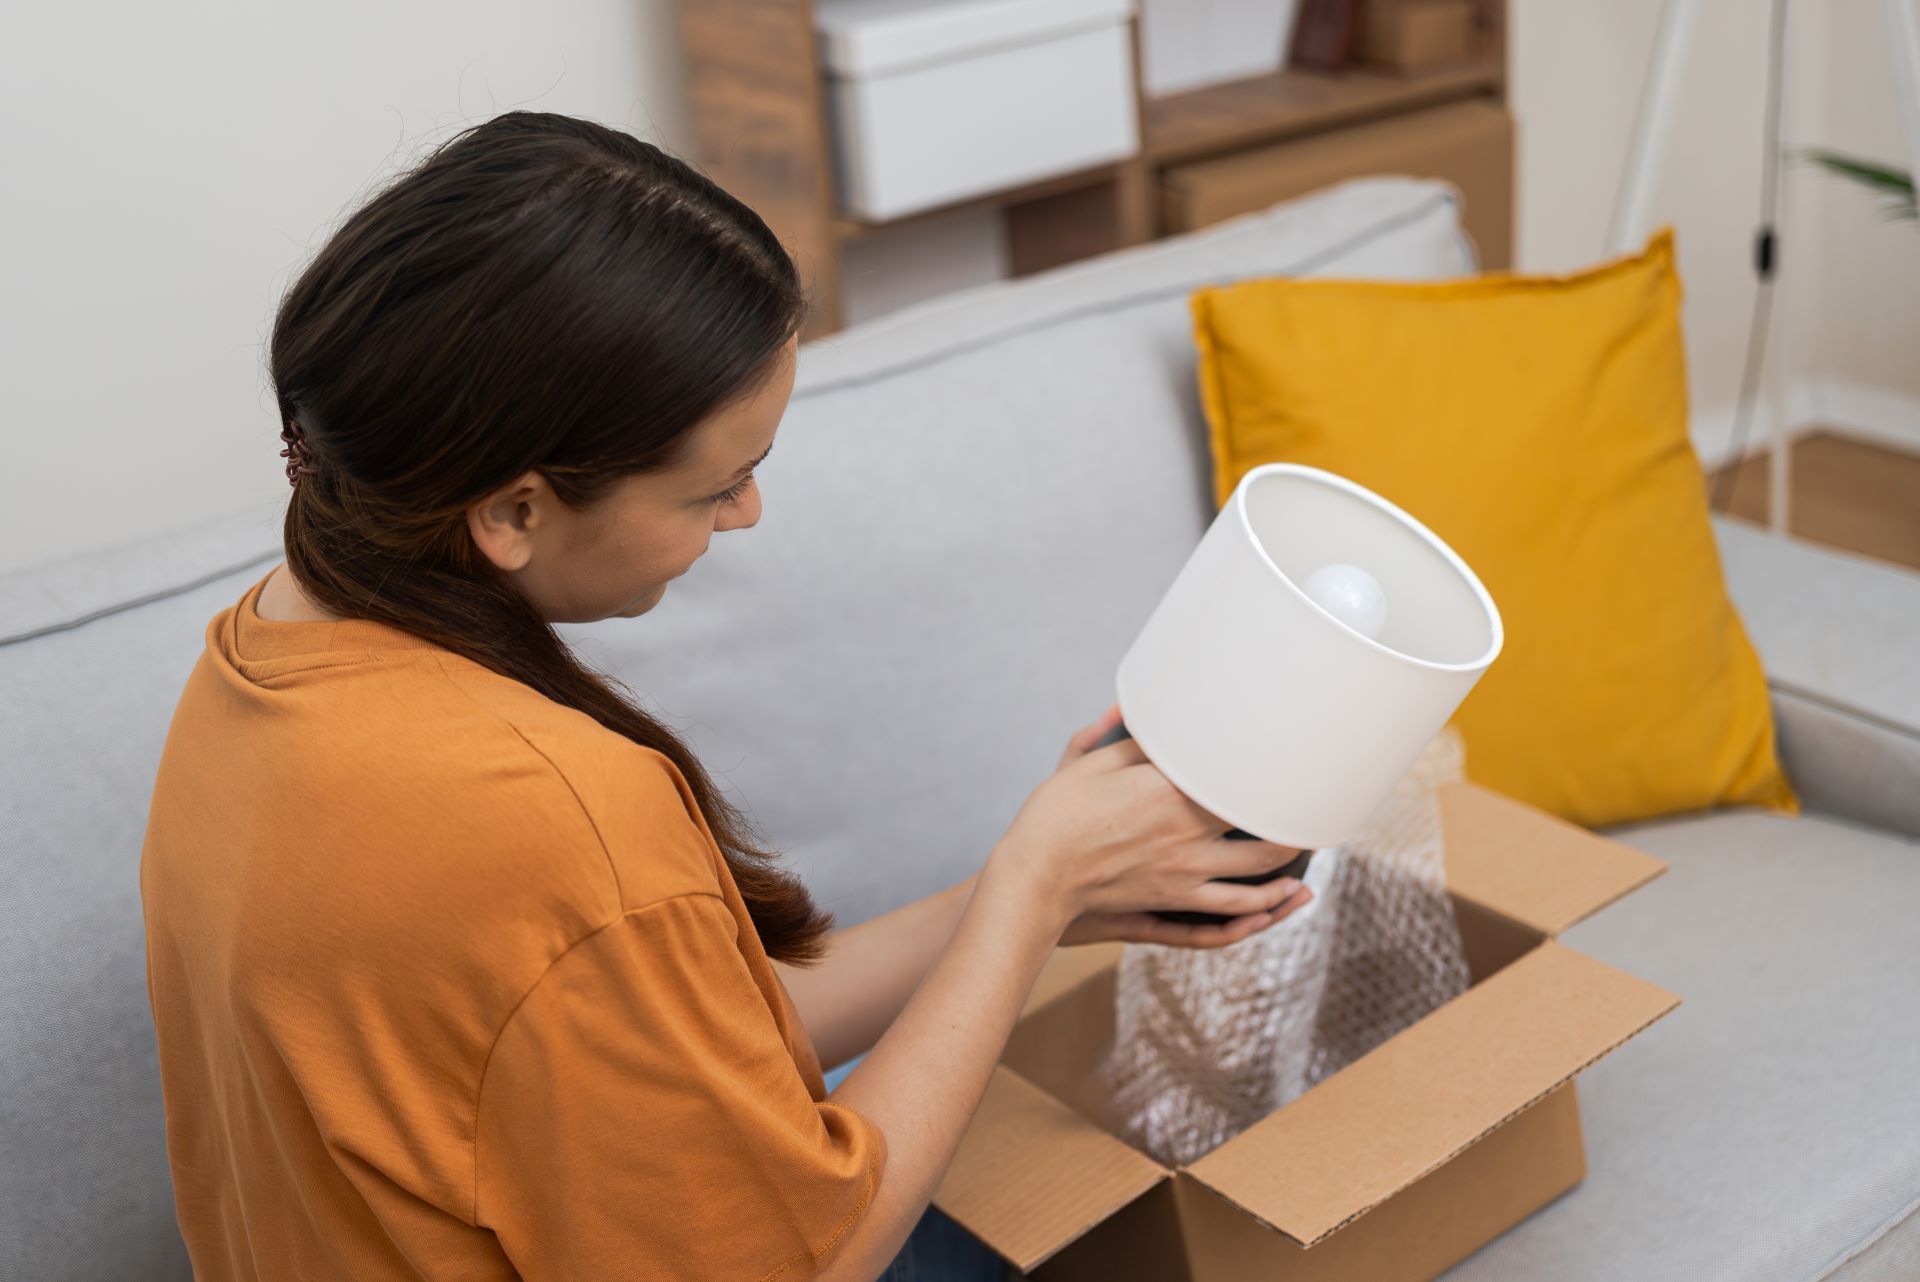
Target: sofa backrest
point(972, 506)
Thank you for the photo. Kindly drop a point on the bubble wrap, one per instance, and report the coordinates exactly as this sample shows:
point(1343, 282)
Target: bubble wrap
point(1209, 1041)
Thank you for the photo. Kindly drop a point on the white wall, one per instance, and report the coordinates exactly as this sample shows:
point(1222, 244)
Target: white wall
point(1577, 71)
point(1856, 352)
point(167, 166)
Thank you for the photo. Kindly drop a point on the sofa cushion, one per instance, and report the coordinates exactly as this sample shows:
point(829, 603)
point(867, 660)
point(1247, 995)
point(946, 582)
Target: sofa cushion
point(1769, 1129)
point(1538, 424)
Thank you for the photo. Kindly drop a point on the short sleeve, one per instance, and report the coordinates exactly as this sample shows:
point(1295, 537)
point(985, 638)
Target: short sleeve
point(641, 1117)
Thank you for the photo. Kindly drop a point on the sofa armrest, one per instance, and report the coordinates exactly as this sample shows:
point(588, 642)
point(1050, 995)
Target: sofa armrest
point(1839, 636)
point(1847, 764)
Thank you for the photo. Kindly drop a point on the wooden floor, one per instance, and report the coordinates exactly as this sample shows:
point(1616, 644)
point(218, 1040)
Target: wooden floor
point(1847, 493)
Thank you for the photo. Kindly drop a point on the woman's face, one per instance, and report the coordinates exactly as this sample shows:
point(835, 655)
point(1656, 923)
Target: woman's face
point(616, 558)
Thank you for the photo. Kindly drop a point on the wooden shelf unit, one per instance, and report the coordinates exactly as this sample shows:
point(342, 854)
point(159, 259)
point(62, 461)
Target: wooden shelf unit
point(1205, 122)
point(850, 229)
point(761, 131)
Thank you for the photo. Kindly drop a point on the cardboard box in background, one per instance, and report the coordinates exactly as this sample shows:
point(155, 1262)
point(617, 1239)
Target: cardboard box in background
point(1469, 144)
point(1393, 1169)
point(1418, 35)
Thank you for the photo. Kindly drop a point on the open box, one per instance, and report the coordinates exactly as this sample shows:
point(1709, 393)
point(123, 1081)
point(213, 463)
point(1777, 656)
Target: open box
point(1396, 1167)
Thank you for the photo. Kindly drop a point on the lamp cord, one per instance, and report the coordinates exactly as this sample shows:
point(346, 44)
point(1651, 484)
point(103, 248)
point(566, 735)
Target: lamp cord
point(1765, 264)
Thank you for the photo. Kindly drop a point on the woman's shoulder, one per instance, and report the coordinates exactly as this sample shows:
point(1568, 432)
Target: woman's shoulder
point(640, 816)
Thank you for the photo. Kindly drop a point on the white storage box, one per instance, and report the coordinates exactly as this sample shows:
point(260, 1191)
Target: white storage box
point(934, 101)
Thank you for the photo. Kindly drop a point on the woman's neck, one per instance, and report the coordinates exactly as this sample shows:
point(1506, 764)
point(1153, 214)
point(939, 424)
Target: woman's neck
point(282, 601)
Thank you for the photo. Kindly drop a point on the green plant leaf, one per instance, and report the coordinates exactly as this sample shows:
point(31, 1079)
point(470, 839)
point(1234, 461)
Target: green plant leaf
point(1892, 185)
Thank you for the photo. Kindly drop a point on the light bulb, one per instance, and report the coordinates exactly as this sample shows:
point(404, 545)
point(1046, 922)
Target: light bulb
point(1350, 595)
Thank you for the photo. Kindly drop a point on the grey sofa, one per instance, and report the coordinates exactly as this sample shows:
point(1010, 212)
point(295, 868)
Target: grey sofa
point(971, 507)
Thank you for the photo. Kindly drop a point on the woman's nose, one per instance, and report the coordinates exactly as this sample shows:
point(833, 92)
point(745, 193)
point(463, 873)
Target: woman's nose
point(742, 514)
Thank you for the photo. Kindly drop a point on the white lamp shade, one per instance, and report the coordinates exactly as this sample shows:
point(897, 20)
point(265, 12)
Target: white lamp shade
point(1266, 709)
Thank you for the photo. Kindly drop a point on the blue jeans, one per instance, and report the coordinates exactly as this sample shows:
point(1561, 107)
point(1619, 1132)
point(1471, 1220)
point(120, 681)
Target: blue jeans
point(938, 1250)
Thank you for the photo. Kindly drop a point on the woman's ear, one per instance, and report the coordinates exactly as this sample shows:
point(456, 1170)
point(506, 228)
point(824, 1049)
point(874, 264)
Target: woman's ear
point(506, 523)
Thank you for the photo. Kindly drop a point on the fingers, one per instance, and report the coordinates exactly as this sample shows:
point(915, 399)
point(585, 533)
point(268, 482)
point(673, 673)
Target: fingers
point(1125, 753)
point(1298, 900)
point(1238, 858)
point(1145, 928)
point(1182, 934)
point(1114, 756)
point(1231, 899)
point(1086, 737)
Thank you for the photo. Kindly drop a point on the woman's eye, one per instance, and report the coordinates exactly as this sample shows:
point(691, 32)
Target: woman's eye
point(734, 491)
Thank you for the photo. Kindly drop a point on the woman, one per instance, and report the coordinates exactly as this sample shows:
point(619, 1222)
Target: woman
point(460, 964)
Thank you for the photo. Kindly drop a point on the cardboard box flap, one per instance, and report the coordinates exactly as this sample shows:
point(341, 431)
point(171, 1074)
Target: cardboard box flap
point(1032, 1175)
point(1417, 1101)
point(1067, 969)
point(1530, 866)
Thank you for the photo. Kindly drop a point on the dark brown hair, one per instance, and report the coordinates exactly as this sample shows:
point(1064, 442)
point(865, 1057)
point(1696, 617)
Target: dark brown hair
point(540, 293)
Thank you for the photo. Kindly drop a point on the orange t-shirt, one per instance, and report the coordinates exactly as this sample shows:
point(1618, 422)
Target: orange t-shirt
point(451, 981)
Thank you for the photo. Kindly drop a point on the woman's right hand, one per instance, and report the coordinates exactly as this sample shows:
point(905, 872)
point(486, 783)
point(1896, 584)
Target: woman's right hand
point(1106, 835)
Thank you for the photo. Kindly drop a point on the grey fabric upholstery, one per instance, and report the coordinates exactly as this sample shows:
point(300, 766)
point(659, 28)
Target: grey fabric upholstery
point(1890, 1255)
point(1854, 764)
point(971, 507)
point(1840, 638)
point(1769, 1129)
point(88, 691)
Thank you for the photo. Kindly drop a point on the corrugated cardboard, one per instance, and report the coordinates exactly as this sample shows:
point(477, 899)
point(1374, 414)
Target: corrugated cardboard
point(1537, 870)
point(1419, 1232)
point(1469, 144)
point(1027, 1137)
point(1423, 1098)
point(1394, 1168)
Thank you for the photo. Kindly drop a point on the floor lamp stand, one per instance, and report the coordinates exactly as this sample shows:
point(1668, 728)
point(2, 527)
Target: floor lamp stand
point(1644, 153)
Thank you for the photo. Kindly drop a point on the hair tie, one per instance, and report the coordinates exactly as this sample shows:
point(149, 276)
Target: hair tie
point(301, 460)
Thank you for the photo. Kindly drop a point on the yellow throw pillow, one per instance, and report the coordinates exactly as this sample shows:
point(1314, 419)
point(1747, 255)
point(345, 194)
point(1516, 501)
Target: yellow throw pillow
point(1539, 426)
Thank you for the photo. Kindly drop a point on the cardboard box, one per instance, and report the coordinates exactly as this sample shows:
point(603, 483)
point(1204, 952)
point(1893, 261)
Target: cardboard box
point(1396, 1167)
point(1418, 35)
point(1469, 144)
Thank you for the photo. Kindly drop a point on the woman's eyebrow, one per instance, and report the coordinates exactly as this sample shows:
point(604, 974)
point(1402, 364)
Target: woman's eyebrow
point(744, 468)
